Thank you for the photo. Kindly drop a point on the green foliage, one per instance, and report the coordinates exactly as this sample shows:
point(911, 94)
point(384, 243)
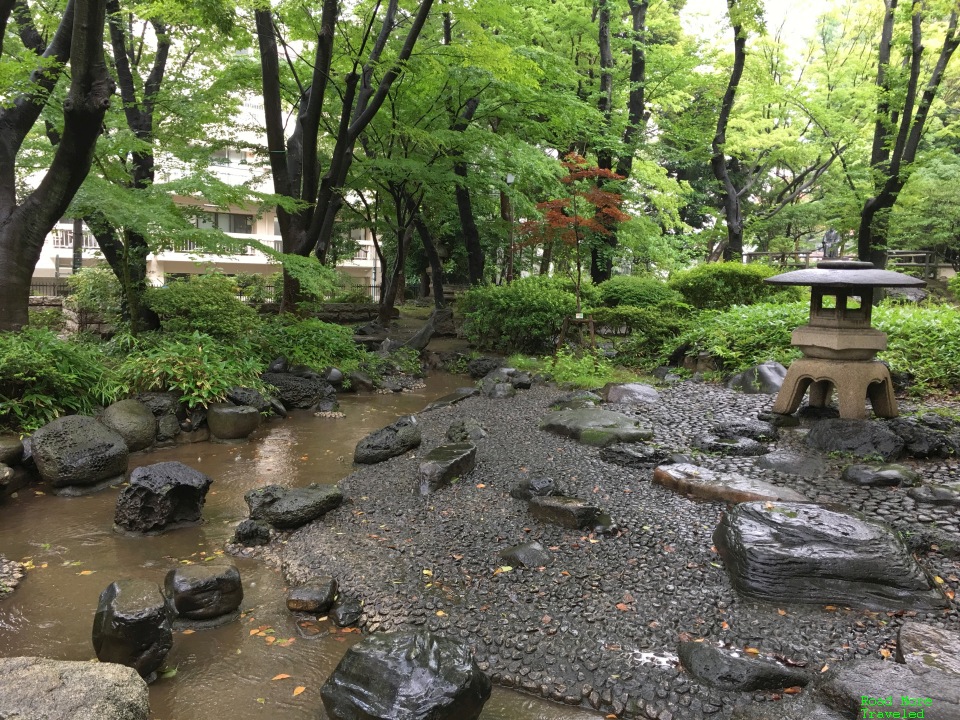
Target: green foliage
point(47, 319)
point(254, 287)
point(206, 304)
point(352, 295)
point(402, 360)
point(923, 341)
point(637, 291)
point(653, 333)
point(524, 316)
point(200, 367)
point(577, 370)
point(43, 377)
point(308, 341)
point(96, 291)
point(953, 284)
point(717, 286)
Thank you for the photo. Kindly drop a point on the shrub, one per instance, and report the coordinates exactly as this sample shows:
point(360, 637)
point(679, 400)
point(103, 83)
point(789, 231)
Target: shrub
point(96, 291)
point(47, 319)
point(953, 284)
point(198, 366)
point(352, 295)
point(636, 291)
point(43, 377)
point(923, 341)
point(654, 334)
point(717, 286)
point(524, 316)
point(579, 370)
point(310, 342)
point(206, 304)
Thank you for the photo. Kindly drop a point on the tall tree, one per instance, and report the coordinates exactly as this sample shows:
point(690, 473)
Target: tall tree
point(25, 222)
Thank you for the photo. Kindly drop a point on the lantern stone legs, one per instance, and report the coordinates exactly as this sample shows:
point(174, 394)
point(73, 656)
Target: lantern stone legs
point(854, 381)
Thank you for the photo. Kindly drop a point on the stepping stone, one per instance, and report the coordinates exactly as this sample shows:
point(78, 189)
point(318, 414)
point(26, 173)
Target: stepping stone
point(758, 430)
point(346, 611)
point(731, 446)
point(537, 486)
point(497, 390)
point(765, 379)
point(729, 670)
point(453, 398)
point(232, 422)
point(706, 484)
point(160, 497)
point(791, 463)
point(468, 430)
point(782, 552)
point(639, 455)
point(629, 394)
point(390, 441)
point(251, 532)
point(316, 597)
point(206, 595)
point(290, 508)
point(576, 400)
point(596, 427)
point(444, 463)
point(132, 626)
point(567, 512)
point(863, 438)
point(531, 554)
point(936, 494)
point(929, 646)
point(879, 475)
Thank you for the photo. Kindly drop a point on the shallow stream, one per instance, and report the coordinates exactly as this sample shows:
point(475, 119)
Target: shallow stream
point(226, 672)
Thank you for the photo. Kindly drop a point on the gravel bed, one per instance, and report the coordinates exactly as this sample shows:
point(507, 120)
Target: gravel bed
point(598, 626)
point(11, 572)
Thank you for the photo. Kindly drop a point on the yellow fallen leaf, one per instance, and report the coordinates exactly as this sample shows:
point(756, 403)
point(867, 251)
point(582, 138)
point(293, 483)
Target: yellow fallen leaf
point(480, 486)
point(751, 651)
point(188, 632)
point(938, 579)
point(428, 573)
point(255, 631)
point(298, 689)
point(270, 640)
point(781, 612)
point(824, 668)
point(441, 613)
point(281, 676)
point(86, 572)
point(884, 653)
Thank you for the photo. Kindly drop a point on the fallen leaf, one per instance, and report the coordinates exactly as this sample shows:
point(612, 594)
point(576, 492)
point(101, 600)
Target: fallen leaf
point(781, 612)
point(480, 486)
point(428, 573)
point(441, 613)
point(830, 608)
point(86, 572)
point(824, 668)
point(254, 631)
point(298, 689)
point(546, 619)
point(751, 651)
point(168, 673)
point(623, 607)
point(270, 640)
point(725, 625)
point(937, 579)
point(884, 653)
point(188, 632)
point(281, 676)
point(457, 557)
point(794, 690)
point(950, 594)
point(503, 569)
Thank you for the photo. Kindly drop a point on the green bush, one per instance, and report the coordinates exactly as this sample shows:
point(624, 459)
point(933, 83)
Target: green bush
point(654, 334)
point(206, 304)
point(923, 341)
point(524, 316)
point(310, 342)
point(47, 319)
point(718, 286)
point(96, 291)
point(953, 284)
point(352, 295)
point(43, 377)
point(198, 366)
point(636, 291)
point(577, 370)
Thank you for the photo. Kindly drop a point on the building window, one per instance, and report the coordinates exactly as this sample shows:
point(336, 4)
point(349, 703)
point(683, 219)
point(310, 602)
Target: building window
point(227, 222)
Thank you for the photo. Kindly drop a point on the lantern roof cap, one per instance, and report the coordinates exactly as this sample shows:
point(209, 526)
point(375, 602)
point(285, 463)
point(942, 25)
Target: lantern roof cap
point(845, 274)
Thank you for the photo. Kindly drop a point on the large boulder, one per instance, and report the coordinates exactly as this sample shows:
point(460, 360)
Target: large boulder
point(929, 646)
point(390, 441)
point(40, 689)
point(863, 438)
point(289, 508)
point(302, 392)
point(805, 553)
point(134, 421)
point(444, 463)
point(406, 676)
point(132, 626)
point(77, 454)
point(232, 422)
point(160, 497)
point(629, 394)
point(593, 426)
point(11, 450)
point(766, 379)
point(208, 594)
point(728, 670)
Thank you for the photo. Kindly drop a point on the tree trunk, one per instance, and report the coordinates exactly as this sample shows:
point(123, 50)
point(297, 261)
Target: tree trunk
point(471, 235)
point(436, 267)
point(393, 285)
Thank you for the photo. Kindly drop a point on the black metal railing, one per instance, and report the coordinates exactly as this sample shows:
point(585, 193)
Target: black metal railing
point(49, 288)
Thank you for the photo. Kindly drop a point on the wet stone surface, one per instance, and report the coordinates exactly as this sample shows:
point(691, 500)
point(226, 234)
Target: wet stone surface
point(597, 627)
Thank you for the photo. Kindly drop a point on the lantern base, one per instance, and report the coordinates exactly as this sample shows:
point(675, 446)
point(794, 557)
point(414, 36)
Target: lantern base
point(853, 381)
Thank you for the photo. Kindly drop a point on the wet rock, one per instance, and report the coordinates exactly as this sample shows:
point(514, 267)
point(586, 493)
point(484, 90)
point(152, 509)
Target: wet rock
point(596, 427)
point(334, 376)
point(444, 463)
point(498, 390)
point(731, 446)
point(11, 572)
point(779, 420)
point(11, 450)
point(521, 380)
point(629, 394)
point(346, 611)
point(208, 593)
point(467, 430)
point(40, 689)
point(802, 707)
point(390, 441)
point(758, 430)
point(576, 400)
point(844, 686)
point(639, 455)
point(733, 671)
point(161, 496)
point(565, 511)
point(766, 378)
point(361, 381)
point(132, 626)
point(879, 475)
point(251, 532)
point(792, 463)
point(168, 427)
point(134, 421)
point(706, 484)
point(805, 553)
point(453, 398)
point(536, 486)
point(77, 454)
point(289, 508)
point(232, 422)
point(482, 366)
point(927, 436)
point(300, 392)
point(278, 365)
point(862, 438)
point(315, 597)
point(13, 479)
point(531, 554)
point(249, 396)
point(406, 676)
point(948, 495)
point(929, 646)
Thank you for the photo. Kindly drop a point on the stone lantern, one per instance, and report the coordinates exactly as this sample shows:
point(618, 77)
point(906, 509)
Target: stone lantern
point(839, 347)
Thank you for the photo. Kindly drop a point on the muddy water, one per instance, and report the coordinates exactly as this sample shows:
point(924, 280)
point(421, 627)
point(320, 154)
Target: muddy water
point(215, 674)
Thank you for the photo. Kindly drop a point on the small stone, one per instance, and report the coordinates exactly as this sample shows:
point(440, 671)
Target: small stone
point(565, 511)
point(316, 597)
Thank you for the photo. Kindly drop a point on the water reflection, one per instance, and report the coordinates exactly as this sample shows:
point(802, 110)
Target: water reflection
point(224, 672)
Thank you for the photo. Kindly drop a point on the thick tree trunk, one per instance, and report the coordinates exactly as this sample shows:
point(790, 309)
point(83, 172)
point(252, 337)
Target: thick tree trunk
point(128, 260)
point(471, 234)
point(393, 284)
point(436, 267)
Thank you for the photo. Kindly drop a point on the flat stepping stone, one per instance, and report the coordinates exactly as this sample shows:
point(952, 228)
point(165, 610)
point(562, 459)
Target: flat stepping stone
point(630, 394)
point(705, 484)
point(636, 455)
point(536, 486)
point(782, 552)
point(289, 508)
point(597, 427)
point(861, 438)
point(929, 646)
point(531, 554)
point(458, 395)
point(132, 626)
point(936, 494)
point(792, 463)
point(759, 430)
point(730, 670)
point(879, 475)
point(731, 446)
point(567, 512)
point(316, 597)
point(232, 422)
point(576, 400)
point(387, 442)
point(444, 463)
point(206, 595)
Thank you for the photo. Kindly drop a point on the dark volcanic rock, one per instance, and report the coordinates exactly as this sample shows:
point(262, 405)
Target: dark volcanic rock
point(733, 671)
point(861, 437)
point(406, 676)
point(79, 451)
point(844, 686)
point(929, 646)
point(204, 592)
point(879, 475)
point(531, 554)
point(390, 441)
point(232, 422)
point(251, 397)
point(497, 389)
point(161, 495)
point(731, 446)
point(289, 508)
point(706, 484)
point(453, 398)
point(467, 430)
point(595, 427)
point(805, 553)
point(637, 455)
point(13, 479)
point(758, 430)
point(132, 626)
point(576, 400)
point(315, 597)
point(11, 450)
point(929, 436)
point(536, 486)
point(565, 511)
point(40, 689)
point(300, 392)
point(629, 394)
point(361, 382)
point(346, 611)
point(936, 494)
point(802, 707)
point(766, 378)
point(134, 421)
point(251, 532)
point(792, 463)
point(482, 366)
point(444, 463)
